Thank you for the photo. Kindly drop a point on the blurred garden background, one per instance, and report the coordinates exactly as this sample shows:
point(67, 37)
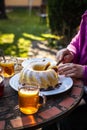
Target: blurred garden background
point(48, 27)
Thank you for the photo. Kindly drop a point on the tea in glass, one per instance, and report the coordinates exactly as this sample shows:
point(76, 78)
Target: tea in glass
point(28, 99)
point(7, 68)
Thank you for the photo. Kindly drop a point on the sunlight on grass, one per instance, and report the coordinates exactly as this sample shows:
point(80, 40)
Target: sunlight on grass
point(52, 36)
point(43, 37)
point(11, 50)
point(21, 48)
point(7, 38)
point(12, 39)
point(18, 32)
point(24, 46)
point(33, 37)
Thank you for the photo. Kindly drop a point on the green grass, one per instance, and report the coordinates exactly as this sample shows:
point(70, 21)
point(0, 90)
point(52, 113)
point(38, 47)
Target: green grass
point(19, 30)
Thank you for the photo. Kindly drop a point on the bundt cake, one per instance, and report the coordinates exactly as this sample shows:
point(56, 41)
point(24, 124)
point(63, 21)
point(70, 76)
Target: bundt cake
point(40, 72)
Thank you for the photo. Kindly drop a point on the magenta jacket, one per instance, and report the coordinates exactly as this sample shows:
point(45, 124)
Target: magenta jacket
point(78, 46)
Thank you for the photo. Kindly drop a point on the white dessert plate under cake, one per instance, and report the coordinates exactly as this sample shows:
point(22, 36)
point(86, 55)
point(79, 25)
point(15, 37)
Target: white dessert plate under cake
point(66, 84)
point(34, 60)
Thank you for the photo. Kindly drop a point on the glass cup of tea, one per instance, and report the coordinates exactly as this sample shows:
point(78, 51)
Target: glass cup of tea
point(1, 86)
point(7, 67)
point(29, 98)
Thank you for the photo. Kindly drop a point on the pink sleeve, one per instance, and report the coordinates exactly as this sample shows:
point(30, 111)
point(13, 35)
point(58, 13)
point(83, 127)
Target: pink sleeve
point(74, 47)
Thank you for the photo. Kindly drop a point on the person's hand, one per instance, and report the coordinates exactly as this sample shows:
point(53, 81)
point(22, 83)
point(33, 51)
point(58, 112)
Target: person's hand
point(64, 56)
point(71, 70)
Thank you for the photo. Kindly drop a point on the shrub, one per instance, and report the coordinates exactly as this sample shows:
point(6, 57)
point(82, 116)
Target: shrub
point(64, 16)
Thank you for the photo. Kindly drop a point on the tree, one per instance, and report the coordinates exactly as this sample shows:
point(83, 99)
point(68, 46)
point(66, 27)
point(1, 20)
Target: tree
point(64, 16)
point(2, 10)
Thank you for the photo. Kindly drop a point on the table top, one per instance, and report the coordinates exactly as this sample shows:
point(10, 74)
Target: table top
point(56, 107)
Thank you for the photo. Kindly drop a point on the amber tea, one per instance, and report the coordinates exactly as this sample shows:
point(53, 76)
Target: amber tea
point(28, 99)
point(29, 102)
point(7, 68)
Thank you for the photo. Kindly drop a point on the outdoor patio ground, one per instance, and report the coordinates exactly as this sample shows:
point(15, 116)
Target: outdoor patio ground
point(40, 49)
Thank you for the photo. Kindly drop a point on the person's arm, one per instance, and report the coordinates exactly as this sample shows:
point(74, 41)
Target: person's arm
point(74, 47)
point(64, 56)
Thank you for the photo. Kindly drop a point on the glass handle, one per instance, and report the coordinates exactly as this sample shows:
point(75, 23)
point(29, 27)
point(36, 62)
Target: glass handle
point(42, 99)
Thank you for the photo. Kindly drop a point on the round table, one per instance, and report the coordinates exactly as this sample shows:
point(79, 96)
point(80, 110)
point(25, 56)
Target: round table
point(56, 107)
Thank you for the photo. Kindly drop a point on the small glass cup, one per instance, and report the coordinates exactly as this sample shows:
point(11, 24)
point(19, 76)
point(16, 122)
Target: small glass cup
point(7, 67)
point(1, 86)
point(29, 98)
